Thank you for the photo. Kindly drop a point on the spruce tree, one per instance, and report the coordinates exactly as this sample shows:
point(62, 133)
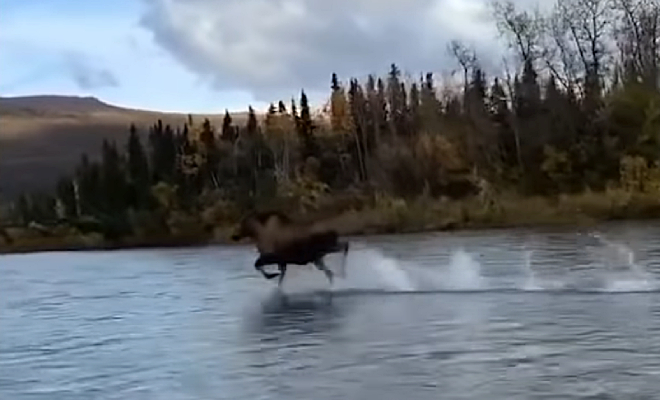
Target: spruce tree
point(138, 170)
point(306, 130)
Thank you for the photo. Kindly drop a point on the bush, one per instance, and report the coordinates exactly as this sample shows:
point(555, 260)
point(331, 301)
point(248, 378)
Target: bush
point(432, 163)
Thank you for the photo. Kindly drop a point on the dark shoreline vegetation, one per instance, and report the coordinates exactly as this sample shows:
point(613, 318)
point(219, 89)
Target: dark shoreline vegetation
point(568, 134)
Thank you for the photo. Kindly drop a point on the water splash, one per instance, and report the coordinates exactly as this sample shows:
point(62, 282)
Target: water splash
point(614, 270)
point(463, 272)
point(370, 270)
point(529, 279)
point(624, 273)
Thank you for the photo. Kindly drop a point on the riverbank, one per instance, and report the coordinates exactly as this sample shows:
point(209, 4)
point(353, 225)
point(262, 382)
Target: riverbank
point(391, 216)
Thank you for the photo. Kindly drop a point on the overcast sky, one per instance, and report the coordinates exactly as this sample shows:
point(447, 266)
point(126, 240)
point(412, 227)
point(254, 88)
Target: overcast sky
point(208, 55)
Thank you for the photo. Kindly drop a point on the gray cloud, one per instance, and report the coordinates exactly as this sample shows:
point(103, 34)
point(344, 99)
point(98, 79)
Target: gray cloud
point(87, 75)
point(276, 47)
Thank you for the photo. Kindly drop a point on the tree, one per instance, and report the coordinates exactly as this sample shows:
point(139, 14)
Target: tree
point(138, 170)
point(113, 182)
point(638, 37)
point(465, 57)
point(66, 195)
point(229, 133)
point(306, 130)
point(280, 137)
point(357, 103)
point(397, 102)
point(523, 31)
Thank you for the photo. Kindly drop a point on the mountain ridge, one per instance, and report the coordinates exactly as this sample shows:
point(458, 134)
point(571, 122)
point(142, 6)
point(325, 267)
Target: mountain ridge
point(76, 103)
point(43, 136)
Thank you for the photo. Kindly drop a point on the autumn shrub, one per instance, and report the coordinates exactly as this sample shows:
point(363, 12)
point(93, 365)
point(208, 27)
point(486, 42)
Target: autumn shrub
point(302, 193)
point(183, 224)
point(220, 212)
point(430, 162)
point(25, 239)
point(558, 167)
point(149, 223)
point(165, 195)
point(636, 174)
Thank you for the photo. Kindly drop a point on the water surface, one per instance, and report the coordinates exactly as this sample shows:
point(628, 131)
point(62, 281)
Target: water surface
point(511, 314)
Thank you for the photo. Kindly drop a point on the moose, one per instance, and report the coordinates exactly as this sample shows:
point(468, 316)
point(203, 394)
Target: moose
point(281, 241)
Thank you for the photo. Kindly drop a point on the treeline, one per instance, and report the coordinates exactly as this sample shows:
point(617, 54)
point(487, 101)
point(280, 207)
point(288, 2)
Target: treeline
point(576, 108)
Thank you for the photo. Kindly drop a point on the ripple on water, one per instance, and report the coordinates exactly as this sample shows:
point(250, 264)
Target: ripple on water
point(420, 317)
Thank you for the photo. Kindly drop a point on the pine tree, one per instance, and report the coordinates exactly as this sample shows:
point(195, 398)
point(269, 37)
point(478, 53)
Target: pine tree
point(113, 181)
point(429, 106)
point(357, 103)
point(381, 106)
point(229, 133)
point(210, 156)
point(138, 170)
point(66, 195)
point(414, 114)
point(396, 101)
point(376, 106)
point(335, 83)
point(306, 128)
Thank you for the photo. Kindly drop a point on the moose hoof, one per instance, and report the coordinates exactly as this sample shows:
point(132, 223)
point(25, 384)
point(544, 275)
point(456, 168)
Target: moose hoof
point(271, 275)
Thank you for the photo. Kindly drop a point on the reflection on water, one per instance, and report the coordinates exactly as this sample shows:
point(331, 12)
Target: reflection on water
point(297, 314)
point(507, 314)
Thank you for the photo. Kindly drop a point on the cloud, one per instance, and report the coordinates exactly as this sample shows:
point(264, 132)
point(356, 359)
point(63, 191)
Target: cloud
point(276, 47)
point(87, 75)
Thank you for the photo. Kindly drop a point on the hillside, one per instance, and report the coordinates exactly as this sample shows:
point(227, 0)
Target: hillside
point(42, 137)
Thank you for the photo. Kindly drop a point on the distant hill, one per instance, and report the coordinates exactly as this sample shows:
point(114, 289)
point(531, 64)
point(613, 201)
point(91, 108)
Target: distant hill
point(42, 137)
point(52, 105)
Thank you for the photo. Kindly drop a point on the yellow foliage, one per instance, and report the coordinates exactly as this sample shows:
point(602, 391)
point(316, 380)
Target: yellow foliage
point(556, 164)
point(282, 138)
point(384, 201)
point(280, 127)
point(195, 136)
point(190, 163)
point(436, 151)
point(165, 194)
point(430, 161)
point(636, 175)
point(304, 189)
point(221, 211)
point(342, 122)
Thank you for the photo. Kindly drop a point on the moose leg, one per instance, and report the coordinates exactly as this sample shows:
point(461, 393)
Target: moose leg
point(265, 260)
point(321, 266)
point(282, 273)
point(344, 247)
point(268, 275)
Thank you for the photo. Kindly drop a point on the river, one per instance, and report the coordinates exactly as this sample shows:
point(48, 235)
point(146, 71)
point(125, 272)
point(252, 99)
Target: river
point(502, 314)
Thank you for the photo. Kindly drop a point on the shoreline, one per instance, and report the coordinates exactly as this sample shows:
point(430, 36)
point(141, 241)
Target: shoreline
point(64, 244)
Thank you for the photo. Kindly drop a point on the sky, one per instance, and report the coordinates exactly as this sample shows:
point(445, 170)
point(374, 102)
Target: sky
point(212, 55)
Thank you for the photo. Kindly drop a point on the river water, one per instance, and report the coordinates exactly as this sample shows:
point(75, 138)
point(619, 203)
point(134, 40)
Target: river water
point(510, 314)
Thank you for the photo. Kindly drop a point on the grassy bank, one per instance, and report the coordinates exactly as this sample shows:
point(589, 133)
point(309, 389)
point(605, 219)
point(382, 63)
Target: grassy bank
point(385, 216)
